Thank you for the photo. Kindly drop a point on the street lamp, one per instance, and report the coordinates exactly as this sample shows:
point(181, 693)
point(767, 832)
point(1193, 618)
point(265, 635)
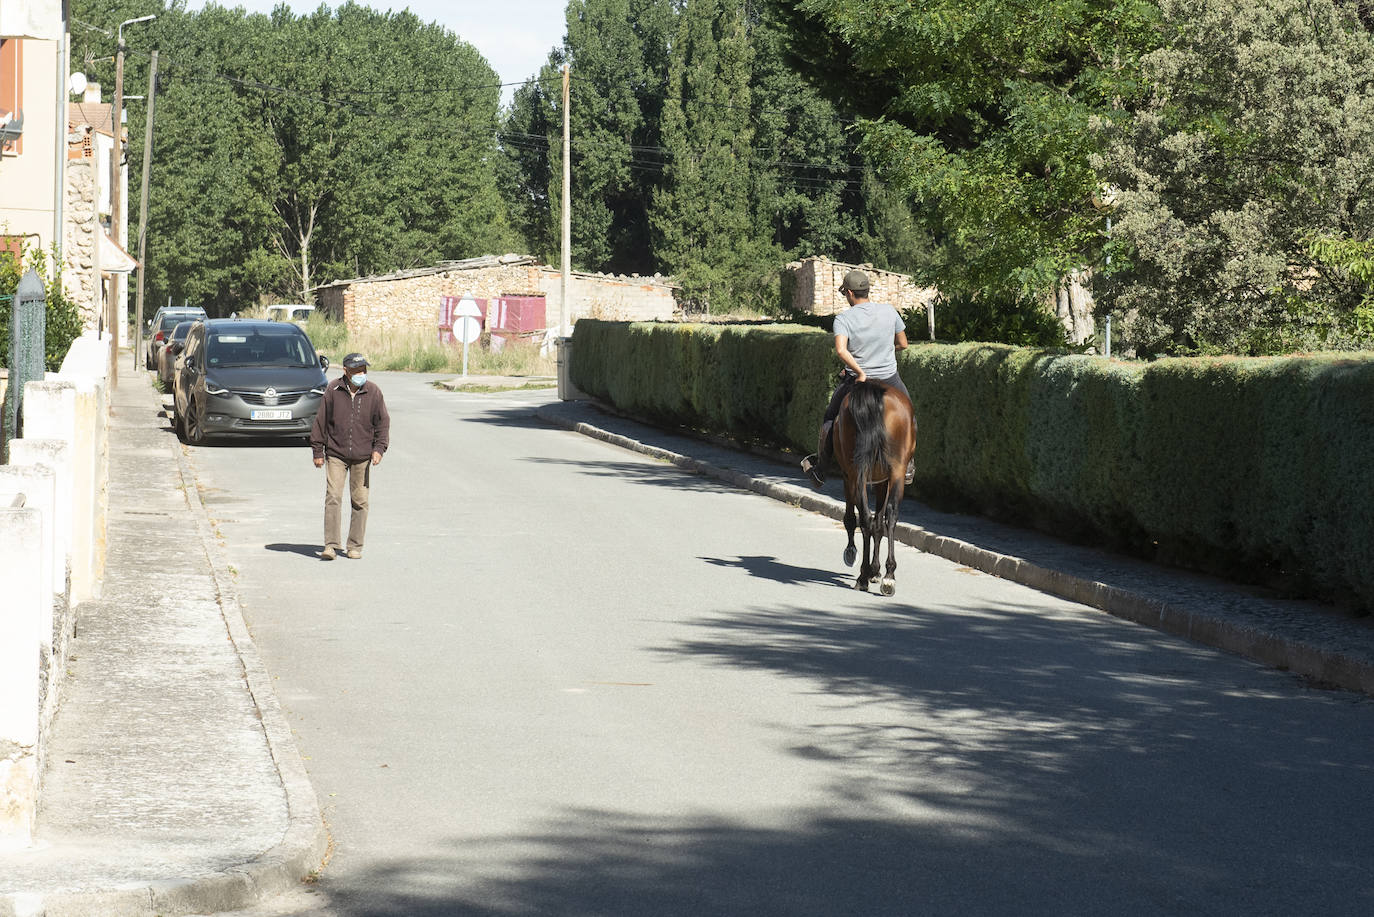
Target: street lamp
point(116, 198)
point(1106, 199)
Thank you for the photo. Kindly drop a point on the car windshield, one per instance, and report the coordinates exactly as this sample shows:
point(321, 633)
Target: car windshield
point(252, 348)
point(170, 320)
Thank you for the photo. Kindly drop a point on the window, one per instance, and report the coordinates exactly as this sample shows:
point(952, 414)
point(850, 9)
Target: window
point(12, 85)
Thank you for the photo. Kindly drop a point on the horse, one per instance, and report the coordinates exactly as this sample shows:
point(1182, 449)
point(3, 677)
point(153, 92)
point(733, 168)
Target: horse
point(874, 438)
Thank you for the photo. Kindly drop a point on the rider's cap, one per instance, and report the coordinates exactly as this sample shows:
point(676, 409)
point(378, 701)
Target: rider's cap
point(354, 361)
point(855, 282)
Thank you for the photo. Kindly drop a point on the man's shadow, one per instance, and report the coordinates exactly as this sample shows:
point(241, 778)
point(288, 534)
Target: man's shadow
point(305, 550)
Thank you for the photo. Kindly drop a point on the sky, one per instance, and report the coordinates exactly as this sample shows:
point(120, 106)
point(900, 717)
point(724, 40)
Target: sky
point(515, 36)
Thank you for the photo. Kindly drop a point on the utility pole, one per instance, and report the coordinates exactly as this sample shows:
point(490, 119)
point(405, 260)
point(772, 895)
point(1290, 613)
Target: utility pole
point(143, 208)
point(564, 329)
point(116, 170)
point(113, 318)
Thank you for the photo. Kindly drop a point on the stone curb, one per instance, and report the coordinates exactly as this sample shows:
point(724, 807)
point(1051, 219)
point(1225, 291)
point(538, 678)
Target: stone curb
point(1323, 664)
point(302, 848)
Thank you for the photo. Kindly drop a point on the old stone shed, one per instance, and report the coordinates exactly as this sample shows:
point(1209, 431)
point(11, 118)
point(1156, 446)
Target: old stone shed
point(410, 299)
point(815, 285)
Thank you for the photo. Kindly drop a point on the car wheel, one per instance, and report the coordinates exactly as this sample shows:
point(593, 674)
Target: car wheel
point(194, 425)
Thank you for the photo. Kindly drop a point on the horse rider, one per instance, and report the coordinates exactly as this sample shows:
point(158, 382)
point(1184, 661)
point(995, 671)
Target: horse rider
point(868, 336)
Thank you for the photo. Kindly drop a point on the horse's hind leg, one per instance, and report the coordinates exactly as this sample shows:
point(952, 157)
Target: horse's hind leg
point(889, 525)
point(850, 523)
point(877, 526)
point(868, 570)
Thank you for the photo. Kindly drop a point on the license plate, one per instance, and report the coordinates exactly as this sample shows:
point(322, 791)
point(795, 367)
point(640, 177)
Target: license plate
point(270, 415)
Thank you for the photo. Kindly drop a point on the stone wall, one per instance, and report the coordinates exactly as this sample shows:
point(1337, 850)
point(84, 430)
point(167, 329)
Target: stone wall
point(815, 285)
point(609, 296)
point(80, 275)
point(410, 299)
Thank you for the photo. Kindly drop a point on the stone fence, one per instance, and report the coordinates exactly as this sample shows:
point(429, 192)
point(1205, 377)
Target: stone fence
point(410, 300)
point(53, 505)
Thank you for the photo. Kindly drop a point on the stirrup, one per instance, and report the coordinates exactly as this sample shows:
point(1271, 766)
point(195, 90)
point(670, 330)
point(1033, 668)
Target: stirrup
point(811, 465)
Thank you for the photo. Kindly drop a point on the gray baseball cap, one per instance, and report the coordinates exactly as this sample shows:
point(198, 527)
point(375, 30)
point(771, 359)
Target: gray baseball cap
point(855, 282)
point(354, 361)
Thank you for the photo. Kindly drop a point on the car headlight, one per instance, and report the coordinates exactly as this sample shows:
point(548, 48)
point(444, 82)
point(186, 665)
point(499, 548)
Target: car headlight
point(213, 389)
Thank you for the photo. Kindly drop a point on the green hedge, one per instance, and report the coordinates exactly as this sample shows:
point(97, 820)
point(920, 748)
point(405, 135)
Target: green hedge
point(1253, 467)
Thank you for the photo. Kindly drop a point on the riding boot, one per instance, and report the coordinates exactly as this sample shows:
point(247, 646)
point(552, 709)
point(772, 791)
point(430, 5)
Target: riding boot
point(815, 465)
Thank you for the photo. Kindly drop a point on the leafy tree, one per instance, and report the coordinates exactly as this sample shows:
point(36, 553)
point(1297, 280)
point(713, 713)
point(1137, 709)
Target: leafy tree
point(978, 111)
point(292, 150)
point(1256, 138)
point(530, 168)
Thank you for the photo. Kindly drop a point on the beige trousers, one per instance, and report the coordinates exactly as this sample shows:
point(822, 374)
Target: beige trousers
point(358, 474)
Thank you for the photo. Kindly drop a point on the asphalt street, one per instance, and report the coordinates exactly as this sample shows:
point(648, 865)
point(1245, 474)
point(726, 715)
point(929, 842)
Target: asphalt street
point(568, 679)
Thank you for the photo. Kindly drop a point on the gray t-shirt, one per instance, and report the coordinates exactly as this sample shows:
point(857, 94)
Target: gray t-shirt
point(871, 328)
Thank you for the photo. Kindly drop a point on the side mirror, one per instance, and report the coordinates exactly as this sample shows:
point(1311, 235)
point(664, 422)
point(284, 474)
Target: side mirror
point(324, 362)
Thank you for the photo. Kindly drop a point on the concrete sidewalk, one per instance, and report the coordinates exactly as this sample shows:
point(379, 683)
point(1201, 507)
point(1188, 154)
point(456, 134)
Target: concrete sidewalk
point(1310, 639)
point(172, 784)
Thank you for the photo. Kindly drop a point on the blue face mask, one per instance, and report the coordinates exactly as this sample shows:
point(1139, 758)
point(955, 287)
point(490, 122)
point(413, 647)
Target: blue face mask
point(359, 379)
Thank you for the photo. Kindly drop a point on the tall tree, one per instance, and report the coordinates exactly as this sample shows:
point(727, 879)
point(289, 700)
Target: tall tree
point(702, 215)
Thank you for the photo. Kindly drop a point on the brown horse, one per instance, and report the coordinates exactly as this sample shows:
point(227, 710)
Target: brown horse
point(875, 437)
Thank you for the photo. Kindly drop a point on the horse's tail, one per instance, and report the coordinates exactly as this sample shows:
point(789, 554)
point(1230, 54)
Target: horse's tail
point(870, 432)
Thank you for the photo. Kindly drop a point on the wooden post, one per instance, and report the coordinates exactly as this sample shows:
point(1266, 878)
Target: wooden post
point(564, 310)
point(112, 317)
point(143, 209)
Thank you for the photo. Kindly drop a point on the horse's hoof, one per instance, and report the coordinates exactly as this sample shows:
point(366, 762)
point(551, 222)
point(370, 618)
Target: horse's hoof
point(889, 586)
point(850, 553)
point(861, 585)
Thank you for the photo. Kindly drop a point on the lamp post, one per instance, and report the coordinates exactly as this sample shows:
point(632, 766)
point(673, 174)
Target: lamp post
point(1106, 200)
point(113, 318)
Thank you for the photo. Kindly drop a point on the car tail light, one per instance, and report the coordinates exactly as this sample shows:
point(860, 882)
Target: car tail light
point(161, 335)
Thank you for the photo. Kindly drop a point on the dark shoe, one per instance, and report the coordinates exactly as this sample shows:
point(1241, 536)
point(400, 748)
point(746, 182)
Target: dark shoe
point(812, 467)
point(327, 554)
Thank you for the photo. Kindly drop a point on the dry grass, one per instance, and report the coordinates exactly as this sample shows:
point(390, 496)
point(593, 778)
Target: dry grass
point(420, 351)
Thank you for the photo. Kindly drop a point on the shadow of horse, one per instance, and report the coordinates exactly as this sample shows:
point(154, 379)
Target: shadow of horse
point(770, 568)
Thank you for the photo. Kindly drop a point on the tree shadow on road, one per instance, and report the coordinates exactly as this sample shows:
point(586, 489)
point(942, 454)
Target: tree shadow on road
point(988, 757)
point(645, 471)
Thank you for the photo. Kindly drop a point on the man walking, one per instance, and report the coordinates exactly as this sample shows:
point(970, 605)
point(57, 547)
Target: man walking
point(352, 429)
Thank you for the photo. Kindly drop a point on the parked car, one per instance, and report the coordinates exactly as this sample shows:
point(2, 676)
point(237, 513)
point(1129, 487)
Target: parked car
point(246, 376)
point(167, 356)
point(290, 312)
point(161, 325)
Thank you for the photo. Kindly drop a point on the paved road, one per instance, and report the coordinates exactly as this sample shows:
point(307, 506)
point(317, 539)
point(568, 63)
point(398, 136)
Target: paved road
point(569, 680)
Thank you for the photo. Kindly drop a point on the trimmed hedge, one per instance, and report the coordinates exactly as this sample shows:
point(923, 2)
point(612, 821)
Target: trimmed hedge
point(1251, 467)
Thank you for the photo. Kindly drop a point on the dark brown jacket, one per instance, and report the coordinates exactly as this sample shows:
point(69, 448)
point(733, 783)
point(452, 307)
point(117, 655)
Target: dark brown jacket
point(351, 427)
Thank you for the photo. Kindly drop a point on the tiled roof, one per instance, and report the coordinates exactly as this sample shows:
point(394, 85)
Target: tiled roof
point(99, 115)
